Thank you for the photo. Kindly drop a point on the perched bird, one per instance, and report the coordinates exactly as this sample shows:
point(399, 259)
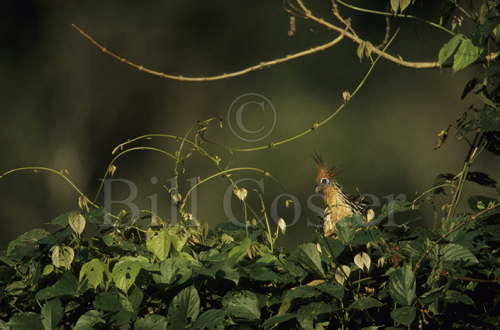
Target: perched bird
point(339, 205)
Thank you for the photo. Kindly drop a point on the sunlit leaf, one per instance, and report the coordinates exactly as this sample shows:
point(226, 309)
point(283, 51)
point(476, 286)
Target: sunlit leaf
point(159, 243)
point(93, 271)
point(403, 4)
point(449, 48)
point(77, 222)
point(466, 54)
point(237, 253)
point(395, 5)
point(125, 271)
point(62, 256)
point(342, 274)
point(362, 260)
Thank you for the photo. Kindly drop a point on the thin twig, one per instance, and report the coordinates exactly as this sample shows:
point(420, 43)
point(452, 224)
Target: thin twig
point(346, 22)
point(471, 279)
point(387, 32)
point(318, 124)
point(256, 67)
point(387, 14)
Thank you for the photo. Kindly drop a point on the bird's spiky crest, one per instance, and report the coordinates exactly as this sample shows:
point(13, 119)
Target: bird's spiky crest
point(323, 170)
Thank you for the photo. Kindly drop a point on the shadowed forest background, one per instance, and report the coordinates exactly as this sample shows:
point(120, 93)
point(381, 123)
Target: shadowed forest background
point(66, 105)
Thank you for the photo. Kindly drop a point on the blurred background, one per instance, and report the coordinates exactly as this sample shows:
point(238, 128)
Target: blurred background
point(66, 105)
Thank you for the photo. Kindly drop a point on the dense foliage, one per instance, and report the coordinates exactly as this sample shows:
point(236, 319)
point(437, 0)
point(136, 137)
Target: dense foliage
point(146, 273)
point(182, 276)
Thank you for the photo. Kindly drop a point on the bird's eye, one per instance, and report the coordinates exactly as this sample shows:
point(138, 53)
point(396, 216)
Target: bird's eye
point(324, 181)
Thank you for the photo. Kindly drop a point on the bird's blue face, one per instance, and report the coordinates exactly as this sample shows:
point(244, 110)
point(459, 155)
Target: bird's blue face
point(322, 184)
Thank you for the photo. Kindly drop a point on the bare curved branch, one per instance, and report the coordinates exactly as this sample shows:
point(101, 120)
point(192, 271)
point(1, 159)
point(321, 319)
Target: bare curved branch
point(210, 78)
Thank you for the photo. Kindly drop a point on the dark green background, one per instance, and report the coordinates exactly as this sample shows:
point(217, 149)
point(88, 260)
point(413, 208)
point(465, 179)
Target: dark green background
point(66, 105)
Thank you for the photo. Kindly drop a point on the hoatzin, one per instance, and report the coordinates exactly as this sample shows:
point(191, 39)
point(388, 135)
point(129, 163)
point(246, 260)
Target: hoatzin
point(339, 205)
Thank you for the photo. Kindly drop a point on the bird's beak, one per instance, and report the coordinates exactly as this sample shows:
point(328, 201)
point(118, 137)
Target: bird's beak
point(317, 189)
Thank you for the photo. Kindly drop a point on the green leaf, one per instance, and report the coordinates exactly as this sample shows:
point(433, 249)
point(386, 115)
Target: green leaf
point(395, 206)
point(466, 54)
point(135, 299)
point(149, 322)
point(455, 297)
point(93, 271)
point(308, 313)
point(210, 319)
point(333, 290)
point(126, 270)
point(262, 273)
point(66, 286)
point(303, 292)
point(455, 252)
point(178, 239)
point(108, 302)
point(403, 285)
point(88, 320)
point(242, 305)
point(277, 319)
point(364, 303)
point(174, 270)
point(47, 269)
point(449, 48)
point(25, 320)
point(120, 306)
point(237, 253)
point(228, 272)
point(61, 220)
point(159, 243)
point(26, 244)
point(62, 256)
point(308, 256)
point(347, 227)
point(404, 315)
point(16, 288)
point(52, 313)
point(184, 308)
point(122, 318)
point(332, 246)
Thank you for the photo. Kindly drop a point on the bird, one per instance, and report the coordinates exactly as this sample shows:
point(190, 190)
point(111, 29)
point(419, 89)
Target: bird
point(339, 204)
